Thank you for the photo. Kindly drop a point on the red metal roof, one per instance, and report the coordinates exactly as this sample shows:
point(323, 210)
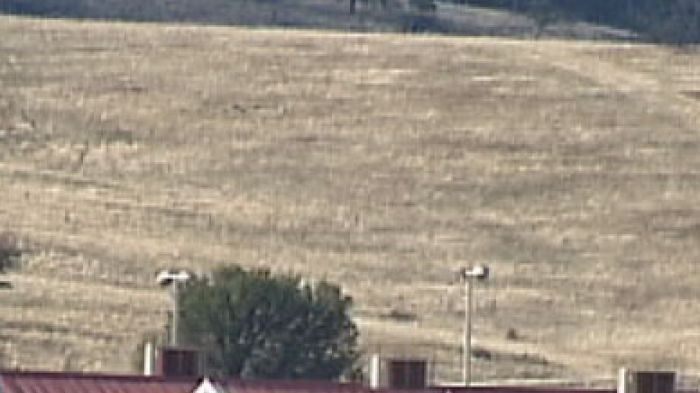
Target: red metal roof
point(54, 382)
point(521, 389)
point(290, 386)
point(57, 382)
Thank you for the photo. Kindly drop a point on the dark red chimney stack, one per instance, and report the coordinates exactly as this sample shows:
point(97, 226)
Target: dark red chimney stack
point(178, 362)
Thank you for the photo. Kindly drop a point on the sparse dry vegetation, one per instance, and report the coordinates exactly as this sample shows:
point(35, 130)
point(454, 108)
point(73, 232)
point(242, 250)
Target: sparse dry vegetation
point(384, 162)
point(10, 251)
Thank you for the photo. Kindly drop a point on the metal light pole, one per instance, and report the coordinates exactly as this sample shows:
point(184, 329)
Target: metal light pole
point(175, 294)
point(174, 279)
point(480, 273)
point(467, 337)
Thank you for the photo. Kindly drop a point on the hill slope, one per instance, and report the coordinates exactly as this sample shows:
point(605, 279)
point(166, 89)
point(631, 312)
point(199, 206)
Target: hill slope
point(384, 162)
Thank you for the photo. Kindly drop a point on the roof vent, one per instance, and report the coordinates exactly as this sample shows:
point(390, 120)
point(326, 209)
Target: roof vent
point(646, 381)
point(405, 373)
point(148, 358)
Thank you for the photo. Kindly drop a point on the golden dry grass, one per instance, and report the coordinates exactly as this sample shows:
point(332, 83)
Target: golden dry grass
point(384, 162)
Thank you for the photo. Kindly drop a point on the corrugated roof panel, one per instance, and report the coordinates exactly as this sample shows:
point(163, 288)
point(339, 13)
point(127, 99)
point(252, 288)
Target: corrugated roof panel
point(46, 382)
point(276, 386)
point(522, 389)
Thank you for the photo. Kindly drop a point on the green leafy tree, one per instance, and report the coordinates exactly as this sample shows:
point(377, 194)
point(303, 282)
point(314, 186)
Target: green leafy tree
point(423, 5)
point(670, 21)
point(543, 14)
point(256, 324)
point(663, 21)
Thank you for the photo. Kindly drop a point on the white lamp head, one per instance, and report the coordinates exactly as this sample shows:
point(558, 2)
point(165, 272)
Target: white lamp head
point(167, 277)
point(480, 272)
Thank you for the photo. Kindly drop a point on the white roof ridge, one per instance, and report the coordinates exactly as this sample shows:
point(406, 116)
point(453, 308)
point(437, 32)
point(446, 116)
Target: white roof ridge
point(207, 386)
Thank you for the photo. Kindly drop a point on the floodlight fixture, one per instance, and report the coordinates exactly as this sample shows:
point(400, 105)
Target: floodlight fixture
point(480, 272)
point(168, 277)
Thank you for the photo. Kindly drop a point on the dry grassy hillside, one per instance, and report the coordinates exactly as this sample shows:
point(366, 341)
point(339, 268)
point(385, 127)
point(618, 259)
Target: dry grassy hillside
point(384, 162)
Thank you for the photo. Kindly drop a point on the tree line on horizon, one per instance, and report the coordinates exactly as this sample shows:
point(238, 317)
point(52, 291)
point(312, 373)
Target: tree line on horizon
point(661, 21)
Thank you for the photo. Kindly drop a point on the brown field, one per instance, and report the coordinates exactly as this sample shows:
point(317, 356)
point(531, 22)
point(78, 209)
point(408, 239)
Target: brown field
point(384, 162)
